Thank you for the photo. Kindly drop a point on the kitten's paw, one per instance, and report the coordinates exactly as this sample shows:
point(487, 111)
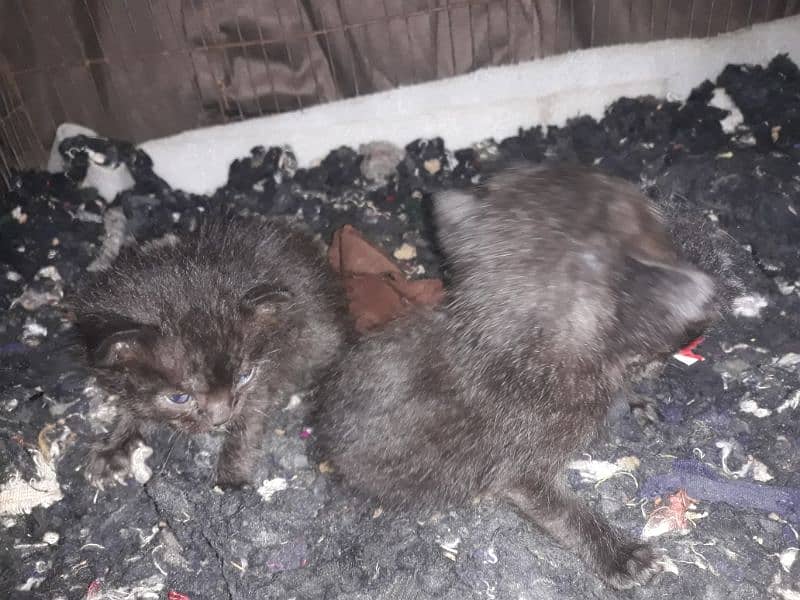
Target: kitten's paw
point(629, 565)
point(232, 480)
point(108, 466)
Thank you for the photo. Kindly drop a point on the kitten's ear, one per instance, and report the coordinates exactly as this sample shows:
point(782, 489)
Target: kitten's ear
point(124, 348)
point(663, 304)
point(265, 299)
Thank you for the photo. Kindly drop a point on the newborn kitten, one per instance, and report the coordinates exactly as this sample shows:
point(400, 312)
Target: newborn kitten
point(211, 332)
point(561, 277)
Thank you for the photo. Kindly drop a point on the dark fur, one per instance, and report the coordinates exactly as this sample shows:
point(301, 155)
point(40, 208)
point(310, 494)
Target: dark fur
point(191, 316)
point(562, 277)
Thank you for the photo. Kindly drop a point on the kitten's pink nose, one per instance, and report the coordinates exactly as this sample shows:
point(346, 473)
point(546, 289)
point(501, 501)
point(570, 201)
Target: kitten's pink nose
point(217, 407)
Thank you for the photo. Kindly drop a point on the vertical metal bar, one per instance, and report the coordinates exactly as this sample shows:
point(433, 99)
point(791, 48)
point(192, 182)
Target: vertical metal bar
point(395, 80)
point(220, 98)
point(153, 20)
point(317, 86)
point(750, 14)
point(691, 18)
point(652, 19)
point(710, 18)
point(12, 85)
point(489, 33)
point(226, 58)
point(571, 24)
point(406, 16)
point(512, 57)
point(591, 28)
point(178, 32)
point(452, 39)
point(666, 18)
point(350, 43)
point(557, 27)
point(287, 46)
point(728, 17)
point(6, 122)
point(471, 37)
point(128, 14)
point(247, 63)
point(265, 55)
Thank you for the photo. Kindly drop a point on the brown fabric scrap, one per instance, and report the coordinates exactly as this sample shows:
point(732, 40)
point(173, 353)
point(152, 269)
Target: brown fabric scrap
point(377, 289)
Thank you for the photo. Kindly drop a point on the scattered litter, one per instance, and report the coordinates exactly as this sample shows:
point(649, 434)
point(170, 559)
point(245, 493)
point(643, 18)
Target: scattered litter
point(20, 497)
point(173, 595)
point(686, 355)
point(598, 471)
point(33, 298)
point(450, 546)
point(325, 467)
point(726, 448)
point(433, 166)
point(761, 472)
point(380, 159)
point(269, 487)
point(32, 330)
point(294, 401)
point(139, 469)
point(787, 558)
point(305, 433)
point(721, 99)
point(19, 216)
point(752, 466)
point(49, 272)
point(146, 589)
point(792, 402)
point(32, 583)
point(668, 565)
point(676, 516)
point(405, 252)
point(749, 306)
point(789, 360)
point(751, 407)
point(51, 538)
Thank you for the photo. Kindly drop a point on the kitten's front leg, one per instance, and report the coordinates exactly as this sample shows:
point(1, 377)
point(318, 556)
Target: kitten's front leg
point(109, 460)
point(240, 450)
point(620, 562)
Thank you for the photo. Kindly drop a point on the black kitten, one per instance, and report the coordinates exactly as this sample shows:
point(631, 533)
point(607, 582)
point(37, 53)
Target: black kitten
point(561, 278)
point(209, 333)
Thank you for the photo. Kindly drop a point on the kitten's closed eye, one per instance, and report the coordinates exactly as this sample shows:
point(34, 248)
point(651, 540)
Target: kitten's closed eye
point(179, 398)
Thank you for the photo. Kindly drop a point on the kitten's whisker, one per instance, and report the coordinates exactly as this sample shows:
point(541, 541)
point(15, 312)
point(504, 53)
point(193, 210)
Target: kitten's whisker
point(172, 441)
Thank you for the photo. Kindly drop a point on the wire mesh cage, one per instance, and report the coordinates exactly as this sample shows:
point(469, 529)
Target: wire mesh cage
point(144, 69)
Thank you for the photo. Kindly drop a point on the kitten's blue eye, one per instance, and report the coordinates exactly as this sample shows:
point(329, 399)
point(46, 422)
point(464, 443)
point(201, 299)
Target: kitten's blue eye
point(245, 377)
point(179, 398)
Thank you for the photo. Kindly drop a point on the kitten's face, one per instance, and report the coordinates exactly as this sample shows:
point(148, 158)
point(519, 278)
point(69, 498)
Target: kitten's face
point(197, 374)
point(193, 388)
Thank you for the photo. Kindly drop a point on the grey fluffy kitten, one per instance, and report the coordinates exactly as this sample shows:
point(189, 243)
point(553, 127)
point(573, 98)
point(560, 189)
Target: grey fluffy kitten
point(211, 332)
point(562, 278)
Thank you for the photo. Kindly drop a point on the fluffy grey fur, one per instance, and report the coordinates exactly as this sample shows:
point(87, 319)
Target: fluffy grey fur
point(211, 332)
point(562, 278)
